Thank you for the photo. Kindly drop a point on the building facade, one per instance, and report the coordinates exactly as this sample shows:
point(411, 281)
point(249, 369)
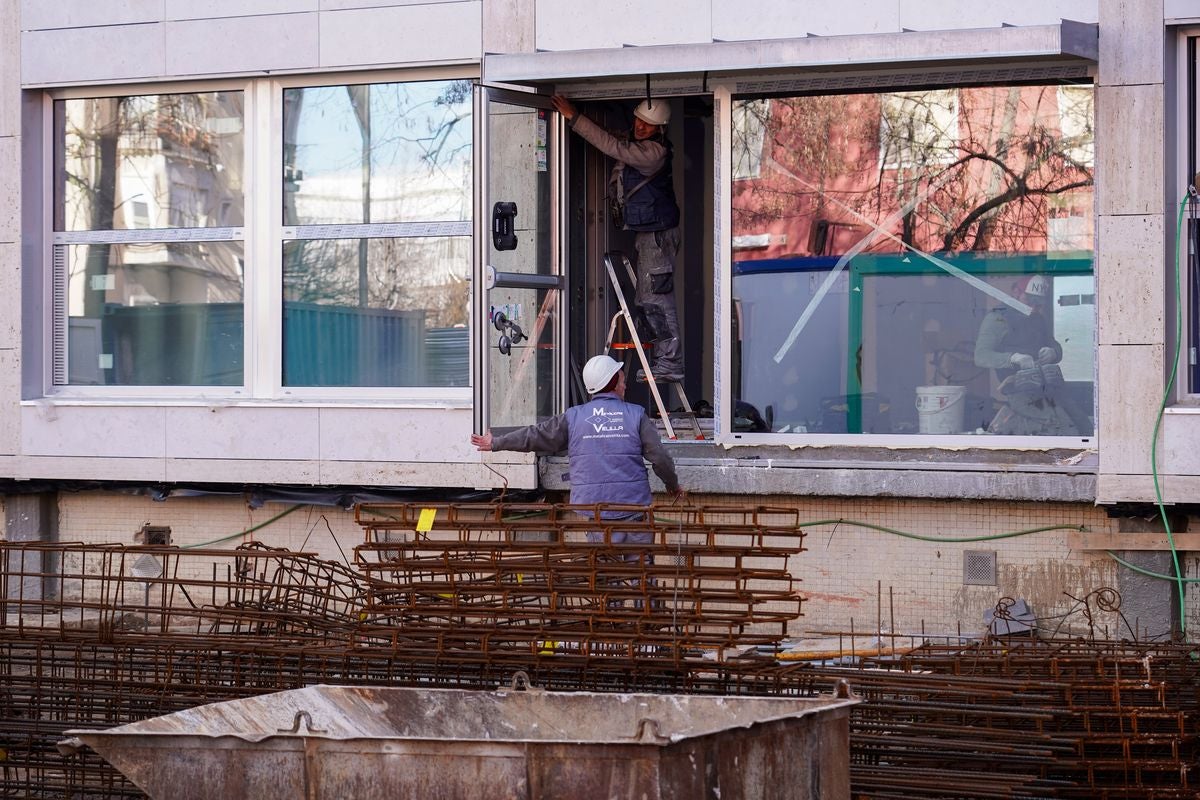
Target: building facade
point(272, 248)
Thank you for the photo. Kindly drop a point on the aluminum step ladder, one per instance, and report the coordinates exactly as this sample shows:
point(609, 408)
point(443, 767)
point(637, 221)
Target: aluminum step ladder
point(626, 316)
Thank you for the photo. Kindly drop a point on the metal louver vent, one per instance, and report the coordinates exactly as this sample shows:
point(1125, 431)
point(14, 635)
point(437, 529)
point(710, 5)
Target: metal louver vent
point(979, 568)
point(58, 345)
point(883, 80)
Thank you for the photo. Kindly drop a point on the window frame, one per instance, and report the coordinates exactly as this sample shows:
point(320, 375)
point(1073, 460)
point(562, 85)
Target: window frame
point(262, 236)
point(726, 93)
point(1186, 392)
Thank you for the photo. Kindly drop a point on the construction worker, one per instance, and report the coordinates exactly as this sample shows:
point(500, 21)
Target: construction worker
point(642, 186)
point(606, 440)
point(1024, 354)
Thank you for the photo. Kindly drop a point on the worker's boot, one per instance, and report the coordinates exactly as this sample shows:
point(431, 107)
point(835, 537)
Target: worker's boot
point(668, 358)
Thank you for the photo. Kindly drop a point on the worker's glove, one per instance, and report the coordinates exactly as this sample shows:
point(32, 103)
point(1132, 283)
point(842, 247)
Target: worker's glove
point(1021, 361)
point(1047, 355)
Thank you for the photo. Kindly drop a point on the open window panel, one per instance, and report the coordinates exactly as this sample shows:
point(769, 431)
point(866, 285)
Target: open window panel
point(518, 294)
point(593, 301)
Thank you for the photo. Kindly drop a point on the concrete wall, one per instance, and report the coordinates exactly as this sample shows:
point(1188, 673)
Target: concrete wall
point(10, 229)
point(849, 574)
point(224, 441)
point(1135, 195)
point(151, 40)
point(127, 40)
point(570, 25)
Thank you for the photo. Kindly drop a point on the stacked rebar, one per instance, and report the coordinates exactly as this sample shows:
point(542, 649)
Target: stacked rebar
point(509, 580)
point(1027, 718)
point(464, 595)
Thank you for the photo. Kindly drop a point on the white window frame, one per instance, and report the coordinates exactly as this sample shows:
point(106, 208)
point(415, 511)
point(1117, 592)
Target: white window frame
point(1184, 401)
point(724, 93)
point(263, 235)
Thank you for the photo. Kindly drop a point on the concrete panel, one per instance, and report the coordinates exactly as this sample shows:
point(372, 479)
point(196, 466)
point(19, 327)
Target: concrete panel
point(41, 14)
point(342, 5)
point(84, 468)
point(10, 296)
point(1129, 157)
point(1148, 605)
point(240, 432)
point(1176, 11)
point(935, 15)
point(1124, 489)
point(1131, 387)
point(729, 478)
point(396, 434)
point(242, 44)
point(96, 54)
point(571, 25)
point(508, 26)
point(212, 9)
point(1129, 284)
point(1131, 42)
point(10, 189)
point(769, 19)
point(224, 470)
point(401, 34)
point(408, 473)
point(1181, 433)
point(10, 68)
point(10, 402)
point(1181, 488)
point(49, 429)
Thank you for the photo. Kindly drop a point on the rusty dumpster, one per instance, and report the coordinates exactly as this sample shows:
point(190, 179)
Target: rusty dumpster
point(336, 742)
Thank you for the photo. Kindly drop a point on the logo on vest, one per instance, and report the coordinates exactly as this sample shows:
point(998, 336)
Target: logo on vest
point(606, 421)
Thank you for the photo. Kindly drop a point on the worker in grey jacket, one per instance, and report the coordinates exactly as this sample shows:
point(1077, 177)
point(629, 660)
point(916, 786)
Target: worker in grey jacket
point(1025, 356)
point(606, 440)
point(642, 181)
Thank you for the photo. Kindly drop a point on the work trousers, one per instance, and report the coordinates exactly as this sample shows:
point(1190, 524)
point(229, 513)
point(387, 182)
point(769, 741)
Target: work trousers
point(656, 251)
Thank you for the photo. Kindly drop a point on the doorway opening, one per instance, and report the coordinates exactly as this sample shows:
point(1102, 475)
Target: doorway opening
point(591, 234)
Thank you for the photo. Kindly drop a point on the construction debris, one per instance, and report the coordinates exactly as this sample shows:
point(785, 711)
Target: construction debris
point(462, 596)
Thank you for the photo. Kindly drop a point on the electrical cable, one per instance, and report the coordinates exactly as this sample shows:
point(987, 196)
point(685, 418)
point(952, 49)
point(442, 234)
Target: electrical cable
point(1149, 573)
point(1162, 508)
point(948, 540)
point(251, 529)
point(923, 538)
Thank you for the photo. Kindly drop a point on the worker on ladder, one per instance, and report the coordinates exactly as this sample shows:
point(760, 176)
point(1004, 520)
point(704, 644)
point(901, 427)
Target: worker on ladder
point(644, 192)
point(606, 440)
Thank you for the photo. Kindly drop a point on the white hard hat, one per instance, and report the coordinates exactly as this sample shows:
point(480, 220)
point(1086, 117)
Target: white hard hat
point(1037, 286)
point(598, 371)
point(653, 112)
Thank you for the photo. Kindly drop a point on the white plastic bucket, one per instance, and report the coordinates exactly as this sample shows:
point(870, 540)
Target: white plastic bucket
point(940, 408)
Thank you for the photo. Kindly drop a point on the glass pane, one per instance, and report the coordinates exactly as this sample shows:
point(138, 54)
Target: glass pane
point(524, 383)
point(394, 152)
point(376, 312)
point(149, 161)
point(155, 314)
point(915, 263)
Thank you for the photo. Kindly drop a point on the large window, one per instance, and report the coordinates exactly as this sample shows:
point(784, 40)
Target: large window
point(332, 248)
point(377, 252)
point(927, 268)
point(148, 249)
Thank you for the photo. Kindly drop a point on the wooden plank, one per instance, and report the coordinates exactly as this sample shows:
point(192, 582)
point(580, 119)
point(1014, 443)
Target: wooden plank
point(1131, 541)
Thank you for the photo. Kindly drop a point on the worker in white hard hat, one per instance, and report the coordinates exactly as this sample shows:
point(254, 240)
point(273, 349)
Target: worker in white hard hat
point(606, 440)
point(1021, 349)
point(642, 187)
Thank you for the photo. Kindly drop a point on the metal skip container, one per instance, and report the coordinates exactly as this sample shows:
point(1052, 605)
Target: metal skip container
point(335, 742)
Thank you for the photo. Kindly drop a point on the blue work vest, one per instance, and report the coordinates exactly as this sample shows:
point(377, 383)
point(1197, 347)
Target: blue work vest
point(605, 450)
point(653, 208)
